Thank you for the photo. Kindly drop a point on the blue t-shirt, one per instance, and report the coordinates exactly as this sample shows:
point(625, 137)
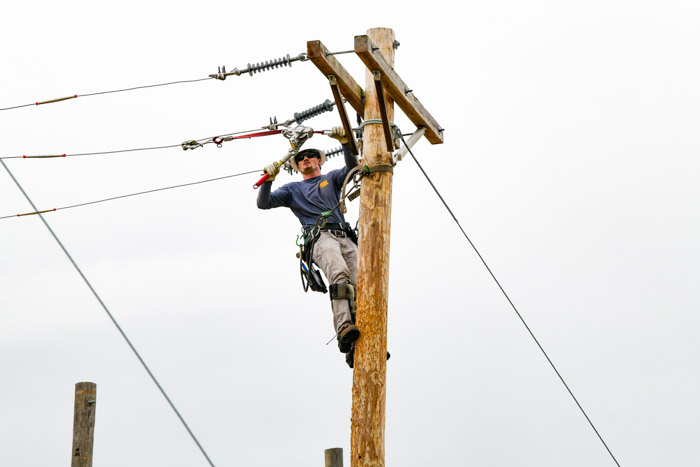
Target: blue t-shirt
point(308, 198)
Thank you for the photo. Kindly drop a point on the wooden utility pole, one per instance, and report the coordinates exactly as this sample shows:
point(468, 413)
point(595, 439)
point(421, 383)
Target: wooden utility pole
point(334, 457)
point(369, 376)
point(84, 424)
point(383, 87)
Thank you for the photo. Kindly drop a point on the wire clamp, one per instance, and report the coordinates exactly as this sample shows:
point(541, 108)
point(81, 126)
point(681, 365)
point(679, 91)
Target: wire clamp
point(273, 124)
point(218, 140)
point(192, 144)
point(221, 74)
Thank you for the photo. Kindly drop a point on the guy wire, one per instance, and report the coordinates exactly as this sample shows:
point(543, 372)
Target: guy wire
point(121, 331)
point(511, 302)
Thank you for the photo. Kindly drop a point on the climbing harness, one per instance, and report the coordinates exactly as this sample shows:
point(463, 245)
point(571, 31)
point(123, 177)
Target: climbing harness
point(310, 275)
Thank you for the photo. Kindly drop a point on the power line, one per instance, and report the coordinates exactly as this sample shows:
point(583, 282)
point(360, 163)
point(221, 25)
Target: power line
point(75, 96)
point(511, 302)
point(145, 87)
point(151, 148)
point(221, 75)
point(131, 194)
point(121, 331)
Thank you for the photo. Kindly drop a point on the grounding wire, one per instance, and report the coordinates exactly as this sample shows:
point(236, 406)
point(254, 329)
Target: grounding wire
point(138, 193)
point(114, 91)
point(121, 331)
point(511, 303)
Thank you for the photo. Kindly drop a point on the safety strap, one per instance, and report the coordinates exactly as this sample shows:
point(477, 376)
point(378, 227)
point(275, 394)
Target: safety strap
point(366, 169)
point(342, 291)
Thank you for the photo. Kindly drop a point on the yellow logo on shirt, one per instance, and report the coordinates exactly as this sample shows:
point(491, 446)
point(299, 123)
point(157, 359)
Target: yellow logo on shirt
point(324, 183)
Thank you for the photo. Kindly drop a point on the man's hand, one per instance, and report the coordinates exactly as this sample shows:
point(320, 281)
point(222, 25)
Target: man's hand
point(272, 170)
point(338, 132)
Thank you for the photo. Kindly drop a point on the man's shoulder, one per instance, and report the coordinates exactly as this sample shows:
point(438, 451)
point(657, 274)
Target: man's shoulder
point(294, 189)
point(290, 186)
point(339, 174)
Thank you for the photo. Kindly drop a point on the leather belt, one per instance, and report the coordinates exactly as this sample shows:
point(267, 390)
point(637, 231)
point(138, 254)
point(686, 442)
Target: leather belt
point(337, 233)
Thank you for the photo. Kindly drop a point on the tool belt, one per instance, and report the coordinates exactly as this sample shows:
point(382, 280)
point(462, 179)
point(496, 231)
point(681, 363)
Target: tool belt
point(342, 230)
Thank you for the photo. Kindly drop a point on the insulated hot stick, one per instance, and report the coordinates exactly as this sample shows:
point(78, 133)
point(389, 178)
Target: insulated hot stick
point(297, 136)
point(292, 152)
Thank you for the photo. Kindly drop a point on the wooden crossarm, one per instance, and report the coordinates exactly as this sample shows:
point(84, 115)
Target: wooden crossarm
point(398, 90)
point(328, 65)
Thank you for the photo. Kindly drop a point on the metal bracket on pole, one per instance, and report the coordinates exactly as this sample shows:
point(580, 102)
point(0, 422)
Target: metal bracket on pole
point(343, 115)
point(388, 136)
point(418, 134)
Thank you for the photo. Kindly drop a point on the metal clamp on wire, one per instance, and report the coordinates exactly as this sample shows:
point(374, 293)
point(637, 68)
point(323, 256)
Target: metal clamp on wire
point(221, 74)
point(218, 140)
point(190, 145)
point(296, 136)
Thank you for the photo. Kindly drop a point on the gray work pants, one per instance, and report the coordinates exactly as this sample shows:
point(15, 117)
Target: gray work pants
point(337, 258)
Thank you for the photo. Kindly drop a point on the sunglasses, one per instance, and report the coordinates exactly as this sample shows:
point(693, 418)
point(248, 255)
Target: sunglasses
point(300, 157)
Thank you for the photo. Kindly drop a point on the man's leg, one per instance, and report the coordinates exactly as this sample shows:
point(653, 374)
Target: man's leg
point(349, 252)
point(328, 256)
point(348, 249)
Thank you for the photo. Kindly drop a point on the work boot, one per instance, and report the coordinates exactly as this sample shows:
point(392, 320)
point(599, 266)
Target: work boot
point(347, 336)
point(350, 356)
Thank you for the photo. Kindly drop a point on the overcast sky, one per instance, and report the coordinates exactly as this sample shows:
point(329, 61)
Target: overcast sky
point(570, 159)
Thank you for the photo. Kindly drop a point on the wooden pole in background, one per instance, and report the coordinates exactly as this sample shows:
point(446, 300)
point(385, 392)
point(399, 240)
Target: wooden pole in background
point(84, 424)
point(334, 457)
point(369, 376)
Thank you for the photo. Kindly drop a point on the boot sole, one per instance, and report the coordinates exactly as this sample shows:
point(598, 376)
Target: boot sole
point(348, 338)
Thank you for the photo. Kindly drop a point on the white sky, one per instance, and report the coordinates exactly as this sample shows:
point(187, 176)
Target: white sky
point(570, 160)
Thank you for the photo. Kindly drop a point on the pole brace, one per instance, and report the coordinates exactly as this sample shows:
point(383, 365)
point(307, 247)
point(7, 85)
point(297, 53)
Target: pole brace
point(332, 80)
point(388, 137)
point(418, 134)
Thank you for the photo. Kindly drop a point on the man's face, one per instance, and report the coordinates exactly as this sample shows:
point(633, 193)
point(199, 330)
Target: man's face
point(309, 165)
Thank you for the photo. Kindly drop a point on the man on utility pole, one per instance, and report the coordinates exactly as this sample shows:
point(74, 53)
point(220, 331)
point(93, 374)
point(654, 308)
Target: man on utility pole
point(333, 243)
point(376, 105)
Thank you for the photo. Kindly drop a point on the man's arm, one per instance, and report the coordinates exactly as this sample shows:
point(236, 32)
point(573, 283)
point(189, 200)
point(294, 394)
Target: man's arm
point(339, 133)
point(264, 196)
point(350, 160)
point(276, 199)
